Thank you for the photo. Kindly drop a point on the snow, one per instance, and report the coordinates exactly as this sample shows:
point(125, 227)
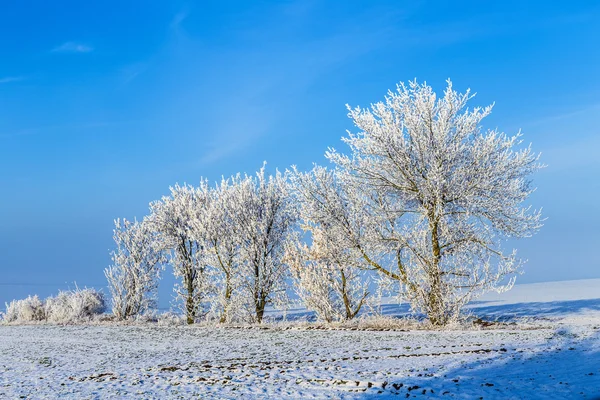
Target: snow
point(556, 354)
point(585, 289)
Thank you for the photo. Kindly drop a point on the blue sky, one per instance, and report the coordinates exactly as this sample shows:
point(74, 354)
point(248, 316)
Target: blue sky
point(103, 105)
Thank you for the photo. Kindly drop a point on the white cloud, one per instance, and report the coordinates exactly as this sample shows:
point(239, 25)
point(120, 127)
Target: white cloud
point(9, 79)
point(72, 47)
point(234, 134)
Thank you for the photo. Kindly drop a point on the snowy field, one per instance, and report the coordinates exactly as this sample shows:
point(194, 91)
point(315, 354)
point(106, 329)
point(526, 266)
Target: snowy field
point(552, 352)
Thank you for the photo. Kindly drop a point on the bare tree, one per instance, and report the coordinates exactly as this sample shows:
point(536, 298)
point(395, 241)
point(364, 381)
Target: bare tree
point(432, 196)
point(133, 277)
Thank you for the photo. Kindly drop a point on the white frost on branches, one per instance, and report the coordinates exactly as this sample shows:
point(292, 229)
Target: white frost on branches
point(214, 225)
point(265, 219)
point(74, 305)
point(26, 310)
point(133, 277)
point(438, 195)
point(173, 219)
point(67, 307)
point(425, 199)
point(327, 273)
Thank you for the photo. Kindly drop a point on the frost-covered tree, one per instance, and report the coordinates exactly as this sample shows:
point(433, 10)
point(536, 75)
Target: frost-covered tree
point(213, 228)
point(173, 218)
point(133, 277)
point(329, 274)
point(326, 278)
point(435, 196)
point(264, 219)
point(223, 241)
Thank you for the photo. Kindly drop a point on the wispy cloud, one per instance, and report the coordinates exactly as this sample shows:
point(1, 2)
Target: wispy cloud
point(282, 74)
point(580, 154)
point(132, 71)
point(72, 47)
point(9, 79)
point(179, 18)
point(251, 124)
point(591, 109)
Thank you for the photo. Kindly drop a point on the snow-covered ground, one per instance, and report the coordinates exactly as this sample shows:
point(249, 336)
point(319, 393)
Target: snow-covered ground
point(557, 356)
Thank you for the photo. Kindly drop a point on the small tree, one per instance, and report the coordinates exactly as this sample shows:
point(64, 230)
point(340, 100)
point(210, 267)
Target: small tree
point(326, 280)
point(173, 219)
point(133, 277)
point(328, 275)
point(435, 196)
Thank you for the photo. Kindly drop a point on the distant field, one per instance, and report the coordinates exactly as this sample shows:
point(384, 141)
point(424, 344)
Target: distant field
point(558, 356)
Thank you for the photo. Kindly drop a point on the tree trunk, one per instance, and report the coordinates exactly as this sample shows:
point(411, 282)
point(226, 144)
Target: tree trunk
point(186, 255)
point(435, 304)
point(260, 309)
point(347, 306)
point(228, 292)
point(189, 303)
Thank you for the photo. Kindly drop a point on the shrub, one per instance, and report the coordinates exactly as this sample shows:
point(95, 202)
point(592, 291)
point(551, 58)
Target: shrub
point(68, 306)
point(170, 319)
point(75, 305)
point(26, 310)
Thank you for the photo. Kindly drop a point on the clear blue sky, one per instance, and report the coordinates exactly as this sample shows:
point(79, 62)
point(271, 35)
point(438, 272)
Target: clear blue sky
point(103, 105)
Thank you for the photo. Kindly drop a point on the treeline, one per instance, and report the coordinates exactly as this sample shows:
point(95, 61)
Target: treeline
point(424, 199)
point(422, 204)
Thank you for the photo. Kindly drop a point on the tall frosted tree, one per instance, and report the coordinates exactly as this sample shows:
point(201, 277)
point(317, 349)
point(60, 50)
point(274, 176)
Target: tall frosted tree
point(435, 196)
point(133, 276)
point(215, 226)
point(173, 218)
point(265, 219)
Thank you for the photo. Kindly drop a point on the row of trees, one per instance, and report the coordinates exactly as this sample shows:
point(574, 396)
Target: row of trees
point(422, 203)
point(226, 244)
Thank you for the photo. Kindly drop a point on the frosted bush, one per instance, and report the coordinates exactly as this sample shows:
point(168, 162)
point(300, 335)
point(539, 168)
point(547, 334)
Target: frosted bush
point(27, 310)
point(170, 319)
point(76, 305)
